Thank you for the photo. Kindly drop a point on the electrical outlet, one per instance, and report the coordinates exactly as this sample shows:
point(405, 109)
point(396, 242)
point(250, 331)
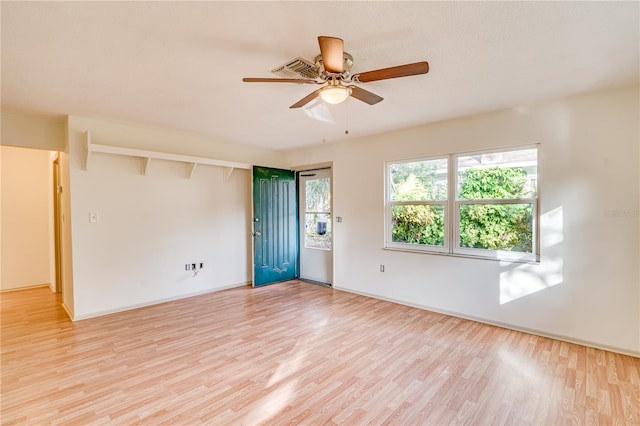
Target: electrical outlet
point(381, 268)
point(187, 267)
point(201, 265)
point(193, 266)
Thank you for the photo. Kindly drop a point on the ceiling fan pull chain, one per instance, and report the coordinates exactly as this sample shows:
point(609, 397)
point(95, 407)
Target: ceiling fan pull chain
point(346, 124)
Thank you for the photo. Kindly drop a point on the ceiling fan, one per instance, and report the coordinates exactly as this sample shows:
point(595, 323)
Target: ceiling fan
point(332, 70)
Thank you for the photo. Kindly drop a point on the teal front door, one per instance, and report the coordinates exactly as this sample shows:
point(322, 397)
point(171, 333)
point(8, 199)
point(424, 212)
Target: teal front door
point(275, 226)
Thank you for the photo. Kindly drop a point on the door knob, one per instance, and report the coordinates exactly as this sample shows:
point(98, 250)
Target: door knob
point(257, 234)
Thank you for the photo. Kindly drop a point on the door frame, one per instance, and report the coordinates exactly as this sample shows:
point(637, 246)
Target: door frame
point(57, 222)
point(310, 168)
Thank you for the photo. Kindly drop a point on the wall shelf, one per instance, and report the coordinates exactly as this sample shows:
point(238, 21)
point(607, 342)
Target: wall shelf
point(147, 156)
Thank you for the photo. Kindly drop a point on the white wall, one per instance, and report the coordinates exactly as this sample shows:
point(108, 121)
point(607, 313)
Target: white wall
point(586, 287)
point(150, 226)
point(27, 214)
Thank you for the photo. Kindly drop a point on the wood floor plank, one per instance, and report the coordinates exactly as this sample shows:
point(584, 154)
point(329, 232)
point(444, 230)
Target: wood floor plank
point(295, 353)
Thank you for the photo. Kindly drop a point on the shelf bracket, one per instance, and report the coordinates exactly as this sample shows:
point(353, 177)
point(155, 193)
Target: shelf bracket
point(146, 162)
point(226, 173)
point(191, 167)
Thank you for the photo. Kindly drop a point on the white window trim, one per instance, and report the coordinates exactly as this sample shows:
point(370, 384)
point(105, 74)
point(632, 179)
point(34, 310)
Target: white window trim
point(452, 205)
point(389, 244)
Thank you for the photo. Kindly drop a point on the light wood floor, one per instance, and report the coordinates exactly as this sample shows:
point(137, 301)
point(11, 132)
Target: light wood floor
point(296, 353)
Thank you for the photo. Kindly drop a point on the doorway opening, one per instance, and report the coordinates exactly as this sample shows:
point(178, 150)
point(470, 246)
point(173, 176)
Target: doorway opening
point(316, 225)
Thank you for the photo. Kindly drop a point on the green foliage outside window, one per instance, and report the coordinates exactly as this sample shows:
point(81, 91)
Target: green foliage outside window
point(496, 226)
point(493, 184)
point(485, 226)
point(419, 181)
point(418, 224)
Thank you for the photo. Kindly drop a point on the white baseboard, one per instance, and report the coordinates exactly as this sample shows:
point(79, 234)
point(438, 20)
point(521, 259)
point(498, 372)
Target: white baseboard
point(152, 302)
point(541, 333)
point(29, 287)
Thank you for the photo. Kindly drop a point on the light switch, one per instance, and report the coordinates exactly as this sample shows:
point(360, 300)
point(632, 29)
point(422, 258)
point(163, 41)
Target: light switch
point(93, 217)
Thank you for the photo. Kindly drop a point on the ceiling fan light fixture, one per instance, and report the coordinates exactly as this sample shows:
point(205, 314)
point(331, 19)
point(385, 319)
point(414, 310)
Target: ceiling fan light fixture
point(335, 94)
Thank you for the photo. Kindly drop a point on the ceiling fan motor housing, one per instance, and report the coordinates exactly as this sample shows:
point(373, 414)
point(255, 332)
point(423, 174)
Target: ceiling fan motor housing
point(347, 63)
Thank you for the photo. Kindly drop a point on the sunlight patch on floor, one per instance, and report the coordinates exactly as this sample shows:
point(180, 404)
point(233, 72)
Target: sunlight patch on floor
point(271, 404)
point(288, 367)
point(520, 366)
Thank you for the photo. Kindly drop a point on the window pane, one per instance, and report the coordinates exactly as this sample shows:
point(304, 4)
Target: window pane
point(318, 195)
point(418, 224)
point(418, 180)
point(317, 231)
point(498, 175)
point(497, 227)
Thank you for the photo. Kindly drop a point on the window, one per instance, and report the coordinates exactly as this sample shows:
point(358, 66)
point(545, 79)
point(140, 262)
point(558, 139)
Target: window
point(418, 204)
point(481, 204)
point(317, 218)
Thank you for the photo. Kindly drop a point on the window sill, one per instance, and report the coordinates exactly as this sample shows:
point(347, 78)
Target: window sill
point(466, 256)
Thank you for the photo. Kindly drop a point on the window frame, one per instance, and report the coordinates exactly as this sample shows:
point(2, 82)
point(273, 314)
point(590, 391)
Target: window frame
point(389, 243)
point(452, 206)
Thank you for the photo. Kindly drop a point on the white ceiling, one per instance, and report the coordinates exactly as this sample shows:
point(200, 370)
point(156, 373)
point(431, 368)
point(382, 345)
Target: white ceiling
point(179, 65)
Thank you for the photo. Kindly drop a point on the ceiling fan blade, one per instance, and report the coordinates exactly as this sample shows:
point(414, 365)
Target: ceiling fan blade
point(302, 102)
point(365, 96)
point(393, 72)
point(279, 80)
point(332, 52)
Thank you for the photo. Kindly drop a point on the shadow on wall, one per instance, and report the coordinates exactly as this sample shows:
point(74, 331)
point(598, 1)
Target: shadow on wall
point(519, 280)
